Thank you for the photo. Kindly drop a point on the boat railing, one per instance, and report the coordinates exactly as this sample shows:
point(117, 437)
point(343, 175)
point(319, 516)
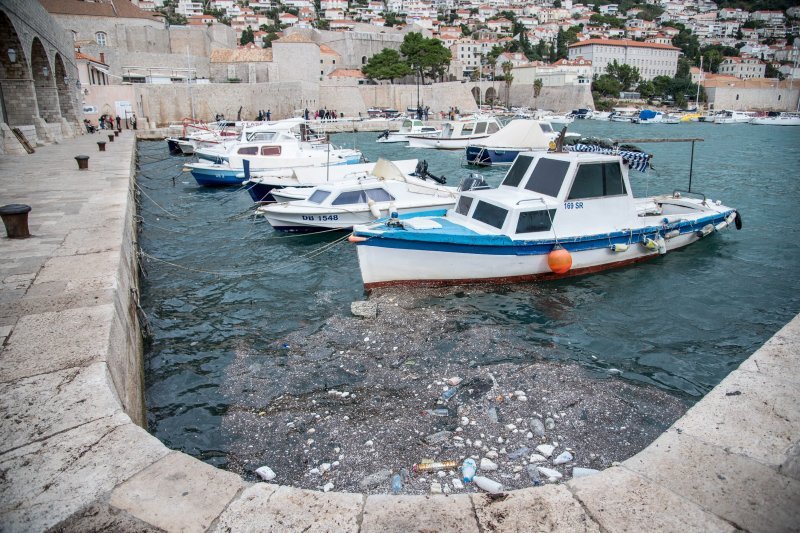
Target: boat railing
point(678, 193)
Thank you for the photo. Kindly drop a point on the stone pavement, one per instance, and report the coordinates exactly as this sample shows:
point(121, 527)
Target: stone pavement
point(73, 458)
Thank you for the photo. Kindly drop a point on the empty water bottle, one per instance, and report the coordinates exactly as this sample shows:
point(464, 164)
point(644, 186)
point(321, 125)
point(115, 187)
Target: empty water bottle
point(397, 484)
point(449, 393)
point(533, 474)
point(468, 470)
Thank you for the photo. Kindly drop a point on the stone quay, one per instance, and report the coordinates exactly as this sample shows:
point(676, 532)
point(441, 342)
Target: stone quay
point(75, 456)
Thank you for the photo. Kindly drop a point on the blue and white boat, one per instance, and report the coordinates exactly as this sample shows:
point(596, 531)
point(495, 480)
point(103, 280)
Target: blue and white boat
point(648, 116)
point(501, 148)
point(275, 152)
point(554, 215)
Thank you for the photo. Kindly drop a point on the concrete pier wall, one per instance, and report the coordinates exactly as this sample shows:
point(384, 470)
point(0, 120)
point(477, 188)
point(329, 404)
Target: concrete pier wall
point(74, 458)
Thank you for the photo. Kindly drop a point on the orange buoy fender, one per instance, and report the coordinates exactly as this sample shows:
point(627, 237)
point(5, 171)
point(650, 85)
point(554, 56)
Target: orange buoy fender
point(559, 260)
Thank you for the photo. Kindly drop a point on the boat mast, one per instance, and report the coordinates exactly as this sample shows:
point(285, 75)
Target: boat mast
point(699, 81)
point(189, 81)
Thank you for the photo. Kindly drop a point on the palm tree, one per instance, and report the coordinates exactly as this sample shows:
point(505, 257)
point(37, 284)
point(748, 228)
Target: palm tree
point(508, 77)
point(537, 90)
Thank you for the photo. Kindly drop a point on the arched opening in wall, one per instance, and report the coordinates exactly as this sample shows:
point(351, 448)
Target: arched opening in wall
point(44, 83)
point(363, 60)
point(17, 95)
point(63, 85)
point(491, 96)
point(476, 94)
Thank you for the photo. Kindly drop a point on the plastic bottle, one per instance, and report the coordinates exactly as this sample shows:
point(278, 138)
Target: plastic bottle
point(489, 485)
point(533, 474)
point(397, 484)
point(438, 412)
point(493, 415)
point(468, 470)
point(449, 393)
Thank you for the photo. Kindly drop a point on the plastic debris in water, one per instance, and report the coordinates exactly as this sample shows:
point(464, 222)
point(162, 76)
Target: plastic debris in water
point(433, 467)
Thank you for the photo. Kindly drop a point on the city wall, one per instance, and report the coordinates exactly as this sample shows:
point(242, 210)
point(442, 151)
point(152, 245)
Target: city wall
point(767, 98)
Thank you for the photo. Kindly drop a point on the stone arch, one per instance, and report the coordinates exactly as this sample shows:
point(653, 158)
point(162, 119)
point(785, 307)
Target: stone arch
point(17, 93)
point(65, 100)
point(491, 95)
point(44, 83)
point(476, 94)
point(363, 60)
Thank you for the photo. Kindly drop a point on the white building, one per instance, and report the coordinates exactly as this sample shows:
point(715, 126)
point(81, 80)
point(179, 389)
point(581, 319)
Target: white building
point(652, 59)
point(743, 67)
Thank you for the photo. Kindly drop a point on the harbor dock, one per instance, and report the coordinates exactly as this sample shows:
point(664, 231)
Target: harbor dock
point(75, 455)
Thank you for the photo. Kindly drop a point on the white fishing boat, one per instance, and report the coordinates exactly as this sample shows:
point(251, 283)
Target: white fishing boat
point(410, 126)
point(729, 116)
point(673, 118)
point(554, 215)
point(344, 204)
point(777, 119)
point(559, 118)
point(648, 116)
point(194, 134)
point(266, 187)
point(457, 134)
point(623, 114)
point(601, 115)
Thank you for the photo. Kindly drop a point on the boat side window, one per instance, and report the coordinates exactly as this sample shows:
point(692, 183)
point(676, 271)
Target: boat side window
point(597, 180)
point(467, 129)
point(531, 221)
point(407, 125)
point(379, 195)
point(261, 136)
point(319, 196)
point(517, 171)
point(546, 128)
point(493, 128)
point(480, 128)
point(490, 214)
point(464, 203)
point(248, 150)
point(447, 130)
point(270, 150)
point(350, 197)
point(547, 176)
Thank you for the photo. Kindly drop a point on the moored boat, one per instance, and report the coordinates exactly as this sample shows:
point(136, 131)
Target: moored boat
point(648, 116)
point(343, 204)
point(774, 118)
point(410, 126)
point(501, 148)
point(554, 215)
point(457, 134)
point(728, 116)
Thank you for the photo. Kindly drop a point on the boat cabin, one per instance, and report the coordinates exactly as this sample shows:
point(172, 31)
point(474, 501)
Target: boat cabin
point(469, 128)
point(416, 126)
point(557, 193)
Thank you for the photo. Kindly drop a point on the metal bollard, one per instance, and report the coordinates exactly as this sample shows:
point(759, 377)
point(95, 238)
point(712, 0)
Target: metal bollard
point(101, 145)
point(111, 138)
point(83, 162)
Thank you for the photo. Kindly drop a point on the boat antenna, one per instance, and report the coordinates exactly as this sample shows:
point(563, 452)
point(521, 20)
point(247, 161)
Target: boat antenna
point(691, 166)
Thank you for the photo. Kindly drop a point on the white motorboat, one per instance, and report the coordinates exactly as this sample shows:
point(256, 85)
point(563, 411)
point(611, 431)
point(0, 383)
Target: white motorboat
point(563, 118)
point(623, 114)
point(648, 116)
point(276, 150)
point(601, 115)
point(501, 148)
point(774, 118)
point(554, 215)
point(196, 134)
point(266, 187)
point(343, 204)
point(410, 126)
point(457, 134)
point(672, 118)
point(728, 116)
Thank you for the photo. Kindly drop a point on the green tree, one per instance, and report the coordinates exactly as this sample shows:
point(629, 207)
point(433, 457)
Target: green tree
point(611, 20)
point(386, 65)
point(684, 68)
point(268, 38)
point(393, 19)
point(170, 16)
point(712, 59)
point(465, 31)
point(323, 24)
point(607, 85)
point(508, 77)
point(688, 43)
point(626, 75)
point(247, 36)
point(427, 57)
point(646, 89)
point(773, 72)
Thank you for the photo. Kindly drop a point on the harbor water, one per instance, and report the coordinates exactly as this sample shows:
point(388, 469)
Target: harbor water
point(219, 282)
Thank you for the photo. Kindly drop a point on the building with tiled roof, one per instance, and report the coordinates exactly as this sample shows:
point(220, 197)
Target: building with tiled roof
point(651, 59)
point(742, 67)
point(116, 9)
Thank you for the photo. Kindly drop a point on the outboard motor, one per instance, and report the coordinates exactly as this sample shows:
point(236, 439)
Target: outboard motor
point(384, 135)
point(421, 171)
point(473, 182)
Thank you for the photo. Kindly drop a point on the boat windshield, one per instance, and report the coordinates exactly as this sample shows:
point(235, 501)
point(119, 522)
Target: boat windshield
point(268, 136)
point(546, 128)
point(493, 127)
point(464, 203)
point(532, 221)
point(490, 214)
point(517, 171)
point(361, 197)
point(319, 196)
point(596, 180)
point(480, 128)
point(547, 176)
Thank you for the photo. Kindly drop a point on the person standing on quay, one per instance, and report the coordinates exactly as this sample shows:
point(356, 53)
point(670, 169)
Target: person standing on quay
point(119, 121)
point(133, 121)
point(269, 115)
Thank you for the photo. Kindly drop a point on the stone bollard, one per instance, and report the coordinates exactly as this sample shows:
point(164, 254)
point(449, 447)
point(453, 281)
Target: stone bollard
point(15, 218)
point(101, 145)
point(83, 162)
point(111, 138)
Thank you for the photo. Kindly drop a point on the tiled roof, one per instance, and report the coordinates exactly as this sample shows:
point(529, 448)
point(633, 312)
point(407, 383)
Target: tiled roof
point(327, 50)
point(624, 42)
point(81, 55)
point(346, 73)
point(119, 9)
point(295, 38)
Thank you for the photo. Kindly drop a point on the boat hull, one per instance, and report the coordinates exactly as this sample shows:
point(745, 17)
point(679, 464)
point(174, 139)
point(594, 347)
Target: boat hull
point(335, 220)
point(776, 121)
point(387, 261)
point(441, 144)
point(477, 155)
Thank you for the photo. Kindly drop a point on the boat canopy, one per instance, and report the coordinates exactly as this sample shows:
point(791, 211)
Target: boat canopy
point(519, 133)
point(647, 114)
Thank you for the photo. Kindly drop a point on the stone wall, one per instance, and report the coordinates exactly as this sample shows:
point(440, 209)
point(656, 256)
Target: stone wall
point(297, 61)
point(559, 99)
point(767, 99)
